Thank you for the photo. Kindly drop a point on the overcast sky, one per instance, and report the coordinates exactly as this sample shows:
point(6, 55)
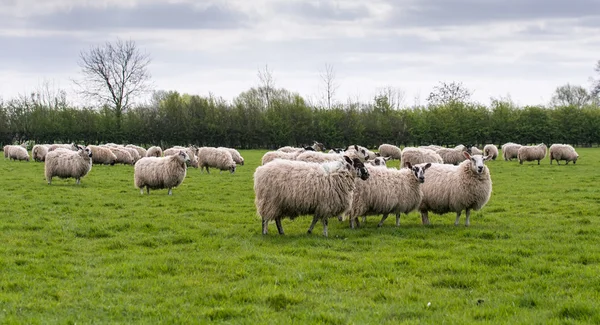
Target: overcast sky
point(521, 48)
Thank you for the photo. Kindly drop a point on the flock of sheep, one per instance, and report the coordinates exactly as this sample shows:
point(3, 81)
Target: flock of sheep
point(355, 182)
point(346, 183)
point(154, 168)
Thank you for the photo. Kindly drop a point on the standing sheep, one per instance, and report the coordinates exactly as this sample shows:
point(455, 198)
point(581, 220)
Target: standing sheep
point(432, 147)
point(318, 157)
point(563, 152)
point(239, 160)
point(490, 150)
point(65, 163)
point(216, 158)
point(452, 156)
point(5, 150)
point(510, 150)
point(467, 186)
point(141, 151)
point(160, 172)
point(388, 190)
point(531, 153)
point(191, 151)
point(123, 156)
point(39, 151)
point(102, 155)
point(17, 153)
point(390, 150)
point(71, 146)
point(416, 156)
point(154, 152)
point(286, 188)
point(292, 149)
point(272, 155)
point(473, 150)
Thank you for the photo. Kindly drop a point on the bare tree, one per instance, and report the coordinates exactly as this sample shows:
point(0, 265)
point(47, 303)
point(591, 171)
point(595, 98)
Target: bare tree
point(267, 84)
point(328, 77)
point(114, 74)
point(596, 83)
point(446, 93)
point(395, 96)
point(571, 95)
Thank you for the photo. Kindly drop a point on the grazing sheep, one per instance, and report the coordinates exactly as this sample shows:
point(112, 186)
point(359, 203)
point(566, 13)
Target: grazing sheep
point(16, 153)
point(449, 188)
point(510, 150)
point(71, 146)
point(39, 151)
point(123, 156)
point(318, 157)
point(65, 163)
point(102, 155)
point(474, 150)
point(286, 188)
point(239, 160)
point(531, 153)
point(160, 172)
point(191, 151)
point(388, 190)
point(390, 150)
point(416, 156)
point(490, 150)
point(5, 150)
point(216, 158)
point(154, 152)
point(135, 155)
point(563, 152)
point(272, 155)
point(452, 156)
point(378, 161)
point(141, 151)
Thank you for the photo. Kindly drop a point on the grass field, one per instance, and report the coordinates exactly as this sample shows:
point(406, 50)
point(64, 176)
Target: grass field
point(102, 253)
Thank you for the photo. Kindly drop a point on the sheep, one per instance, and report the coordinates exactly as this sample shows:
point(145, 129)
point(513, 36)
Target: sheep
point(39, 151)
point(191, 151)
point(318, 146)
point(563, 152)
point(378, 161)
point(474, 150)
point(510, 150)
point(359, 152)
point(239, 160)
point(216, 158)
point(135, 155)
point(5, 149)
point(65, 163)
point(141, 151)
point(71, 146)
point(318, 157)
point(452, 156)
point(416, 156)
point(336, 150)
point(16, 153)
point(531, 153)
point(390, 150)
point(160, 172)
point(154, 152)
point(431, 147)
point(102, 155)
point(388, 190)
point(272, 155)
point(285, 188)
point(293, 149)
point(123, 156)
point(490, 150)
point(450, 188)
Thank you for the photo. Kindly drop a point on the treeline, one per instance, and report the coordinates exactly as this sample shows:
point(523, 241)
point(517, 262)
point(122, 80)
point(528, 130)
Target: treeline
point(286, 118)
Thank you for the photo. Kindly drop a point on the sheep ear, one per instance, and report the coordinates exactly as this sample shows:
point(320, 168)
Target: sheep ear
point(466, 154)
point(427, 166)
point(387, 158)
point(377, 154)
point(348, 160)
point(408, 165)
point(356, 147)
point(488, 157)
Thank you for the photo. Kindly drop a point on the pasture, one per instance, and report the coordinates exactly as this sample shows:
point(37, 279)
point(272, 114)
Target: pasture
point(102, 253)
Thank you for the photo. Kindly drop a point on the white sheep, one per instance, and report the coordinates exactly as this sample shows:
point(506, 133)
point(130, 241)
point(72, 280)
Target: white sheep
point(135, 155)
point(453, 156)
point(160, 172)
point(286, 188)
point(293, 149)
point(215, 158)
point(39, 151)
point(318, 157)
point(191, 151)
point(473, 150)
point(388, 190)
point(141, 150)
point(532, 153)
point(154, 151)
point(5, 150)
point(123, 156)
point(450, 188)
point(510, 150)
point(272, 155)
point(563, 152)
point(378, 161)
point(490, 150)
point(432, 147)
point(71, 146)
point(16, 153)
point(359, 152)
point(416, 156)
point(239, 160)
point(66, 163)
point(102, 155)
point(390, 150)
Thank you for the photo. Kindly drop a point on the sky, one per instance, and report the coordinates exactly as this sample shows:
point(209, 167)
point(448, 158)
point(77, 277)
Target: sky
point(522, 49)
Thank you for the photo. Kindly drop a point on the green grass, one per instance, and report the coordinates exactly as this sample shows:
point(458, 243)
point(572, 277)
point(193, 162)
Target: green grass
point(102, 253)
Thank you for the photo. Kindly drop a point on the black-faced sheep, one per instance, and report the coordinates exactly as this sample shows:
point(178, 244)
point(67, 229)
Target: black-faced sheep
point(160, 172)
point(286, 188)
point(563, 152)
point(65, 163)
point(532, 153)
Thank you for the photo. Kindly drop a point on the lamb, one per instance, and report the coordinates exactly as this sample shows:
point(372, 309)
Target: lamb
point(390, 150)
point(416, 156)
point(141, 151)
point(452, 156)
point(239, 160)
point(272, 155)
point(65, 163)
point(531, 153)
point(191, 151)
point(286, 188)
point(510, 150)
point(123, 156)
point(449, 188)
point(160, 172)
point(490, 150)
point(16, 153)
point(563, 152)
point(102, 155)
point(216, 158)
point(388, 190)
point(318, 157)
point(154, 152)
point(39, 151)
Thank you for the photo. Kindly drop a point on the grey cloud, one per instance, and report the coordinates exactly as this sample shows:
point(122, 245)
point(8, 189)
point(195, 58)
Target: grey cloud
point(39, 54)
point(147, 15)
point(322, 11)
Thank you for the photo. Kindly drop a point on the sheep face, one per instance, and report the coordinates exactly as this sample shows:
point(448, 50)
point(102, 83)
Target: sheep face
point(418, 171)
point(84, 151)
point(184, 156)
point(379, 161)
point(477, 162)
point(232, 169)
point(358, 167)
point(318, 146)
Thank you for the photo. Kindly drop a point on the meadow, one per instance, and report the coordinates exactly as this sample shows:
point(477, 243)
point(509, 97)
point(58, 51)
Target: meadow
point(100, 252)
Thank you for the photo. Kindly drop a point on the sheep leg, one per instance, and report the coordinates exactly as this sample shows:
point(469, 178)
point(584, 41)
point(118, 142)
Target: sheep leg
point(148, 189)
point(325, 222)
point(77, 181)
point(425, 217)
point(385, 215)
point(265, 226)
point(142, 190)
point(279, 227)
point(457, 217)
point(468, 213)
point(364, 219)
point(398, 219)
point(538, 161)
point(312, 224)
point(170, 191)
point(352, 223)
